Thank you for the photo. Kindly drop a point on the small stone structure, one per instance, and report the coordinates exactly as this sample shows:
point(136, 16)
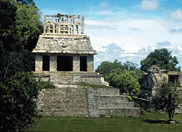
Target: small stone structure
point(155, 77)
point(65, 57)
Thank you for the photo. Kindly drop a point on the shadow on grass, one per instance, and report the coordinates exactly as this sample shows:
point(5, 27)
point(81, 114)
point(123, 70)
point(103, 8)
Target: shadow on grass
point(156, 121)
point(159, 121)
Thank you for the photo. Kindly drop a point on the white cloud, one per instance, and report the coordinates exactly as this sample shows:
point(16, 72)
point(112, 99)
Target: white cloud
point(176, 15)
point(148, 33)
point(132, 33)
point(163, 44)
point(149, 4)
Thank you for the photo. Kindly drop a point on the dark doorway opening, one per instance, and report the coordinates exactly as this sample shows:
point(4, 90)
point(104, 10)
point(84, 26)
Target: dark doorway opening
point(46, 60)
point(173, 79)
point(65, 63)
point(83, 63)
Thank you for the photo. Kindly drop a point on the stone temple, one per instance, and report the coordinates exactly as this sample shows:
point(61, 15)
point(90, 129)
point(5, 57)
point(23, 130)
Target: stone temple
point(65, 57)
point(63, 45)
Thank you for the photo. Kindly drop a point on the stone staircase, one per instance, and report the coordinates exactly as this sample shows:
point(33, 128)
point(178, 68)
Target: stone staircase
point(111, 103)
point(71, 99)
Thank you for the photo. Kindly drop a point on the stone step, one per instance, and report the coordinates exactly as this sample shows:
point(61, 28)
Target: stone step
point(76, 77)
point(117, 104)
point(178, 110)
point(63, 107)
point(64, 114)
point(67, 86)
point(112, 99)
point(108, 91)
point(129, 112)
point(72, 74)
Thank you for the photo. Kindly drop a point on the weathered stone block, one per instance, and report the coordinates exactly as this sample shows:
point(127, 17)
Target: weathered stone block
point(38, 63)
point(108, 91)
point(90, 63)
point(76, 63)
point(64, 102)
point(92, 103)
point(53, 63)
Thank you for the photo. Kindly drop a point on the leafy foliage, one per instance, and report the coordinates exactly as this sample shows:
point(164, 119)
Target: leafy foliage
point(28, 25)
point(18, 96)
point(17, 62)
point(18, 91)
point(20, 28)
point(166, 99)
point(46, 85)
point(26, 2)
point(108, 67)
point(125, 76)
point(7, 32)
point(162, 58)
point(125, 82)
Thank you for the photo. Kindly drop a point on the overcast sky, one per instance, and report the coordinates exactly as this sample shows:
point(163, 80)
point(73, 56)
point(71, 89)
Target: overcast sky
point(133, 25)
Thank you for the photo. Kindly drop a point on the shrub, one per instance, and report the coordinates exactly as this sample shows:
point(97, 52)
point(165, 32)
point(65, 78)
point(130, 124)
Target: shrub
point(18, 96)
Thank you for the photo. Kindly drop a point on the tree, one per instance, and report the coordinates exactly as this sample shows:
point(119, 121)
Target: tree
point(125, 76)
point(18, 91)
point(18, 96)
point(7, 33)
point(125, 81)
point(162, 58)
point(28, 26)
point(130, 66)
point(166, 99)
point(20, 28)
point(108, 67)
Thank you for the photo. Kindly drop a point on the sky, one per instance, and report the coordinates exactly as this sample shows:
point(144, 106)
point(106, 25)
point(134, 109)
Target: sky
point(136, 26)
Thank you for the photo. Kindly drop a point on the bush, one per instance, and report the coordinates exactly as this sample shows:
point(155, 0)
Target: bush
point(126, 82)
point(18, 96)
point(166, 99)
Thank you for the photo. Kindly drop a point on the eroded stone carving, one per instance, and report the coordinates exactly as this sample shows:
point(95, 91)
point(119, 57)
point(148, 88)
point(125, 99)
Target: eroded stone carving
point(155, 77)
point(64, 24)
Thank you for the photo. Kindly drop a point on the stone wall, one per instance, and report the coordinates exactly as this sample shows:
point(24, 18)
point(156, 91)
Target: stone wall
point(92, 96)
point(65, 101)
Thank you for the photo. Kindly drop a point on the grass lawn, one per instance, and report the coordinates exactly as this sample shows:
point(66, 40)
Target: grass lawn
point(148, 122)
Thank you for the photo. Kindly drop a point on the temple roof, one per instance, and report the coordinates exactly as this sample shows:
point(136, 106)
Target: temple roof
point(64, 34)
point(70, 44)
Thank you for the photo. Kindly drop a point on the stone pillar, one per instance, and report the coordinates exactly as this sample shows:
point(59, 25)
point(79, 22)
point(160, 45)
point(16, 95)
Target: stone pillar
point(90, 63)
point(53, 63)
point(38, 63)
point(180, 79)
point(76, 63)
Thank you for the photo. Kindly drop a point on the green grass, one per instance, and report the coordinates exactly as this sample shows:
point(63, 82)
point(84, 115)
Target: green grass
point(149, 122)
